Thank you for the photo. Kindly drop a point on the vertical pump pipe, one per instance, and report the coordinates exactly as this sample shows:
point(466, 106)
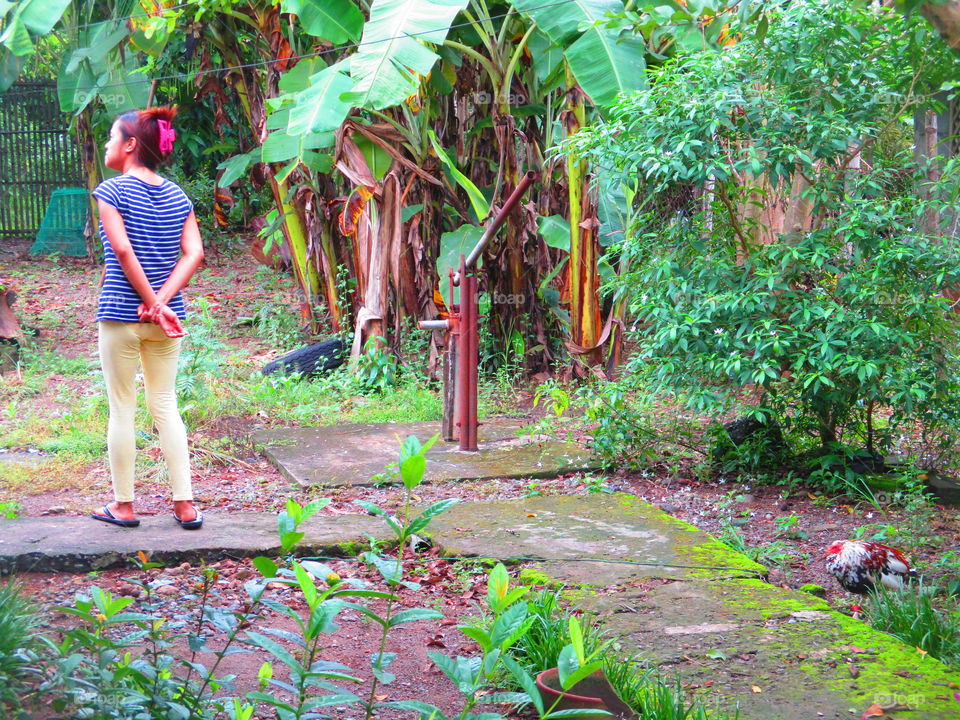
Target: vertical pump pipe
point(463, 334)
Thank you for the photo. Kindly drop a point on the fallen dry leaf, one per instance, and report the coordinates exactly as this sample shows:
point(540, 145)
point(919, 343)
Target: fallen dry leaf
point(875, 710)
point(756, 689)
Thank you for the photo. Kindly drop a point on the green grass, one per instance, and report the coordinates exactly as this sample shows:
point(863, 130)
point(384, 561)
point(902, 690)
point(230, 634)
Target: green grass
point(920, 618)
point(653, 696)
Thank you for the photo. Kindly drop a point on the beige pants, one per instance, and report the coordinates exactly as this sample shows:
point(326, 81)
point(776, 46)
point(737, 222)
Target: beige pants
point(123, 346)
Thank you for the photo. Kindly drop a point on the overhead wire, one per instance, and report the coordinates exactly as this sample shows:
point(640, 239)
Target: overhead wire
point(321, 53)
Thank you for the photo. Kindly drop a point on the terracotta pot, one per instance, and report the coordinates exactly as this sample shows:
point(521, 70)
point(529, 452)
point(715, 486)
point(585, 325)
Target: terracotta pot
point(594, 692)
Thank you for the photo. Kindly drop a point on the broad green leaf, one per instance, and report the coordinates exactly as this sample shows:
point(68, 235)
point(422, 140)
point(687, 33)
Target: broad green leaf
point(525, 681)
point(547, 56)
point(298, 78)
point(378, 159)
point(560, 21)
point(10, 66)
point(389, 568)
point(426, 711)
point(274, 648)
point(40, 16)
point(481, 636)
point(424, 518)
point(576, 639)
point(318, 162)
point(234, 168)
point(126, 88)
point(280, 147)
point(604, 67)
point(481, 208)
point(461, 670)
point(498, 584)
point(392, 57)
point(338, 21)
point(412, 470)
point(507, 625)
point(452, 245)
point(16, 38)
point(5, 6)
point(413, 615)
point(307, 584)
point(567, 664)
point(320, 108)
point(265, 566)
point(611, 212)
point(555, 230)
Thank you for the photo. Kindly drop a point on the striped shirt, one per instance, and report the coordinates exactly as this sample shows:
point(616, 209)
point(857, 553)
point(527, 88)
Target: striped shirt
point(153, 216)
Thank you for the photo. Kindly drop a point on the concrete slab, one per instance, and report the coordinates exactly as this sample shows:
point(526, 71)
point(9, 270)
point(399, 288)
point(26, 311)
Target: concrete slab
point(627, 539)
point(672, 595)
point(354, 454)
point(80, 544)
point(773, 652)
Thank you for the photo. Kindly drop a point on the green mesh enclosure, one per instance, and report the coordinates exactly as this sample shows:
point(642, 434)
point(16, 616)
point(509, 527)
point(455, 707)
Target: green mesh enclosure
point(63, 224)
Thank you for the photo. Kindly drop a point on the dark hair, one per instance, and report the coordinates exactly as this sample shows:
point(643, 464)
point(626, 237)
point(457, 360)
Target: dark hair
point(142, 125)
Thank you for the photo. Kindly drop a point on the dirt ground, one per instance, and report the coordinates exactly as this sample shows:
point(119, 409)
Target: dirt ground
point(795, 526)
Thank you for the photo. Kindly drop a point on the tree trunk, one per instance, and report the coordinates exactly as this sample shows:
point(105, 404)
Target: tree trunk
point(945, 18)
point(582, 269)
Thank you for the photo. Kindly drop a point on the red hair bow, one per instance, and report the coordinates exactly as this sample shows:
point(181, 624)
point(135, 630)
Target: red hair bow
point(167, 135)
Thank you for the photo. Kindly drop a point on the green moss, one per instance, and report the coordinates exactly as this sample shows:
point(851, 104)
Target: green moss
point(920, 682)
point(814, 589)
point(350, 548)
point(533, 576)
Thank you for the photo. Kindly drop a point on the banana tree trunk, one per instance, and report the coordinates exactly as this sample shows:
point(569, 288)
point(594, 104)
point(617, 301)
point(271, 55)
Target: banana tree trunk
point(88, 156)
point(293, 226)
point(582, 268)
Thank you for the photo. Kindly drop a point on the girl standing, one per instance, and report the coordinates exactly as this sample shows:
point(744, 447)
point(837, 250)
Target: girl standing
point(152, 247)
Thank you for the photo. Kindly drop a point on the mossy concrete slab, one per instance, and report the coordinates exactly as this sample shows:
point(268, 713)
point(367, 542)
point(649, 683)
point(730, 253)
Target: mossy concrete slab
point(624, 538)
point(80, 544)
point(353, 454)
point(778, 654)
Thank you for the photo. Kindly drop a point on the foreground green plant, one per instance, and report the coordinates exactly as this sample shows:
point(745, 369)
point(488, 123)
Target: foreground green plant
point(655, 698)
point(19, 663)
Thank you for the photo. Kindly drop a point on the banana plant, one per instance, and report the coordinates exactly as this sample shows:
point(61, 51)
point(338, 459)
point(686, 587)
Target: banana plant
point(598, 64)
point(21, 25)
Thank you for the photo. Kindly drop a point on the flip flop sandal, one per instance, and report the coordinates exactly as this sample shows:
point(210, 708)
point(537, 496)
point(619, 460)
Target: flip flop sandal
point(108, 517)
point(194, 524)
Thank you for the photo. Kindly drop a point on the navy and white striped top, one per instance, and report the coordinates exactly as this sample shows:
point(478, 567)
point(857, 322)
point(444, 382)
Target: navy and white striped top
point(153, 216)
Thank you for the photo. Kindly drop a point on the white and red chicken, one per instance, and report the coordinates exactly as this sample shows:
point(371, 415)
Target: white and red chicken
point(859, 566)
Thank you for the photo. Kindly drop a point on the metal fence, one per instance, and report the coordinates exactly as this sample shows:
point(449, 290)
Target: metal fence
point(37, 155)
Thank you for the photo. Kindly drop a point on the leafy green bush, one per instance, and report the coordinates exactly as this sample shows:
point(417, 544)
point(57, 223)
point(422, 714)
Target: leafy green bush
point(19, 666)
point(840, 314)
point(376, 369)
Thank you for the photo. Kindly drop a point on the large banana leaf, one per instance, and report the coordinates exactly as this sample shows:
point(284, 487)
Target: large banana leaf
point(338, 21)
point(602, 62)
point(30, 18)
point(320, 108)
point(392, 57)
point(604, 67)
point(561, 20)
point(126, 88)
point(86, 72)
